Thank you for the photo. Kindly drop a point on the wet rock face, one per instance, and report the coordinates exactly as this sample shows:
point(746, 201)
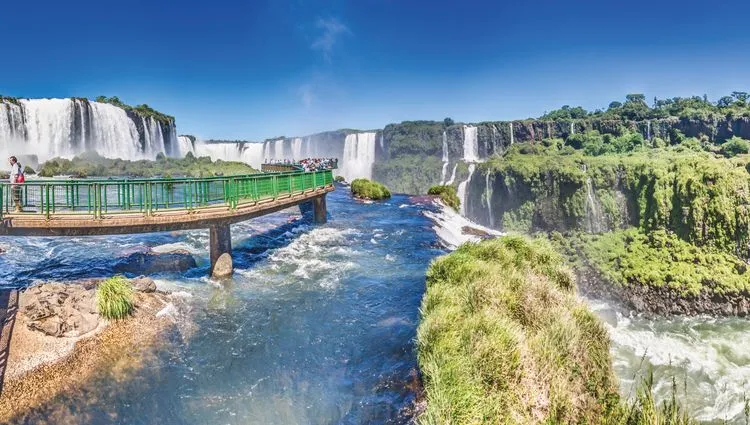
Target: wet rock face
point(144, 263)
point(60, 310)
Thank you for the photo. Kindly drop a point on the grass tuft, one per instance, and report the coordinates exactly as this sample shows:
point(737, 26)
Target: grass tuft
point(114, 298)
point(447, 194)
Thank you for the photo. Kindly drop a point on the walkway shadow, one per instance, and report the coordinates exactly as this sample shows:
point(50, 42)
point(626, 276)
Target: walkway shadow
point(8, 310)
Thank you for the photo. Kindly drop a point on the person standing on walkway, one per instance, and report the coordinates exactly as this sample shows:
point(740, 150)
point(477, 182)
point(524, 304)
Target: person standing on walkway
point(16, 179)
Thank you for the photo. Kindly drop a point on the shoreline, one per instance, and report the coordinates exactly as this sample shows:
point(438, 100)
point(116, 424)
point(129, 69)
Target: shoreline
point(41, 367)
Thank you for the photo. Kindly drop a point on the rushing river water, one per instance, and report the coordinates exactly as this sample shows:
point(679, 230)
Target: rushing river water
point(317, 326)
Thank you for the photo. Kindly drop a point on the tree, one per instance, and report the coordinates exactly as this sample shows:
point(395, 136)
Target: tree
point(635, 98)
point(725, 102)
point(101, 99)
point(735, 146)
point(615, 105)
point(448, 122)
point(741, 96)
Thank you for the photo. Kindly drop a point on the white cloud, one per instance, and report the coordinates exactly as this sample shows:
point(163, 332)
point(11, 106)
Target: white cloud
point(331, 30)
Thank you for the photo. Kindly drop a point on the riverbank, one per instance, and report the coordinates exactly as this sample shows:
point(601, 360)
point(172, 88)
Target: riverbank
point(58, 341)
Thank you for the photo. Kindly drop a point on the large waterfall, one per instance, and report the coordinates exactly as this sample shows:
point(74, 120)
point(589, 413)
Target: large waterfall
point(445, 159)
point(248, 152)
point(65, 127)
point(359, 155)
point(462, 193)
point(471, 145)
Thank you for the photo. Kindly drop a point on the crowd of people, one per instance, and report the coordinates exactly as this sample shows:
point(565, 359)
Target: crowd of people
point(309, 164)
point(316, 164)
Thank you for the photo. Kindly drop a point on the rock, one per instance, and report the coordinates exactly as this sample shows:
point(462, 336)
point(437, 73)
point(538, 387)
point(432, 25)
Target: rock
point(223, 267)
point(60, 310)
point(144, 284)
point(152, 262)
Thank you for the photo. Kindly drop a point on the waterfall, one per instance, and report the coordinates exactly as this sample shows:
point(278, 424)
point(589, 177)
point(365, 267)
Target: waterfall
point(471, 145)
point(445, 158)
point(488, 197)
point(252, 153)
point(572, 128)
point(359, 155)
point(648, 130)
point(297, 149)
point(510, 124)
point(185, 144)
point(453, 176)
point(595, 222)
point(462, 194)
point(66, 127)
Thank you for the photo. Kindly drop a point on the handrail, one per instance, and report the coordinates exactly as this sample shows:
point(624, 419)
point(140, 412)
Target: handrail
point(96, 198)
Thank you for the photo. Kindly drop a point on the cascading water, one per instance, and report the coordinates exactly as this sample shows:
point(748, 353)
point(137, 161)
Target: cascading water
point(65, 127)
point(453, 176)
point(185, 145)
point(445, 159)
point(572, 128)
point(595, 222)
point(471, 145)
point(359, 155)
point(488, 198)
point(297, 149)
point(648, 130)
point(510, 124)
point(462, 194)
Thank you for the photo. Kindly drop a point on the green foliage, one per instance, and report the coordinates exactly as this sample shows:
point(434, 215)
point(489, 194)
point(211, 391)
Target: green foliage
point(735, 146)
point(8, 99)
point(414, 138)
point(142, 110)
point(368, 189)
point(503, 339)
point(409, 173)
point(91, 164)
point(447, 194)
point(114, 298)
point(448, 122)
point(28, 171)
point(339, 179)
point(660, 259)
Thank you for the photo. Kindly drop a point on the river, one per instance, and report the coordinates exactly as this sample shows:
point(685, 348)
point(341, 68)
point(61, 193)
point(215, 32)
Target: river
point(318, 325)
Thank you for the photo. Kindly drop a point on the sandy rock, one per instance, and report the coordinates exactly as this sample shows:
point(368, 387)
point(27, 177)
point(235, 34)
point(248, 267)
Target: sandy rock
point(143, 284)
point(223, 268)
point(60, 310)
point(153, 262)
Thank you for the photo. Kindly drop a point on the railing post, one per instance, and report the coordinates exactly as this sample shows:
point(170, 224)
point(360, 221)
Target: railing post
point(2, 202)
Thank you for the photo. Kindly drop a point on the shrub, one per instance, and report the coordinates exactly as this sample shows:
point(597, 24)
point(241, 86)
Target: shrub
point(368, 189)
point(735, 146)
point(114, 298)
point(447, 194)
point(339, 179)
point(28, 171)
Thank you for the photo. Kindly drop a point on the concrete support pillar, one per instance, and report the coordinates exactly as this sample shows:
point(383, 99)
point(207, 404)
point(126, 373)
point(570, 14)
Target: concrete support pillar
point(221, 243)
point(320, 210)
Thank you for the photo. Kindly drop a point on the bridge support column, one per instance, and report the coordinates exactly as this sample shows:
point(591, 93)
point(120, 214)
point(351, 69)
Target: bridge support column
point(319, 210)
point(221, 243)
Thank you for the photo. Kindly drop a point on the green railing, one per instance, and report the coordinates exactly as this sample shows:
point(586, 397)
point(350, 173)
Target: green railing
point(96, 198)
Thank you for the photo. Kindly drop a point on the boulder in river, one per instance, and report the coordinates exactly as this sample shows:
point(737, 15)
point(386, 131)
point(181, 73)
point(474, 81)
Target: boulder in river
point(154, 262)
point(143, 284)
point(223, 267)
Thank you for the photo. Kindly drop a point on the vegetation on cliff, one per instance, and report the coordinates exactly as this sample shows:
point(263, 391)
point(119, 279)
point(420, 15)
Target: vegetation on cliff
point(657, 259)
point(90, 164)
point(368, 189)
point(447, 194)
point(636, 108)
point(409, 174)
point(503, 339)
point(702, 197)
point(114, 298)
point(142, 110)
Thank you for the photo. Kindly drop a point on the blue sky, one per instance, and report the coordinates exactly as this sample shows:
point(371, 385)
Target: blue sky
point(258, 69)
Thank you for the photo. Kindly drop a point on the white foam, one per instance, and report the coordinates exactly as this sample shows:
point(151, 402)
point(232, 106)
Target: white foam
point(449, 227)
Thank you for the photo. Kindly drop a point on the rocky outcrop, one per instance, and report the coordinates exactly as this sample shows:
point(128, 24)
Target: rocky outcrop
point(156, 262)
point(223, 267)
point(58, 309)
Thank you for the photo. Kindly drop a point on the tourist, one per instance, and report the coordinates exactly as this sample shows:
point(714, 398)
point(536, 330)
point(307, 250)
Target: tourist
point(16, 177)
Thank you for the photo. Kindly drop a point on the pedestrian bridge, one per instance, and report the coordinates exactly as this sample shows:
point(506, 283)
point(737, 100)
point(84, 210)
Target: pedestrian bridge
point(116, 206)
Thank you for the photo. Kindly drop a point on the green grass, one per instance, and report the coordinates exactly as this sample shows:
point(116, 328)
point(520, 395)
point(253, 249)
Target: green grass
point(503, 339)
point(657, 259)
point(114, 298)
point(90, 164)
point(447, 194)
point(368, 189)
